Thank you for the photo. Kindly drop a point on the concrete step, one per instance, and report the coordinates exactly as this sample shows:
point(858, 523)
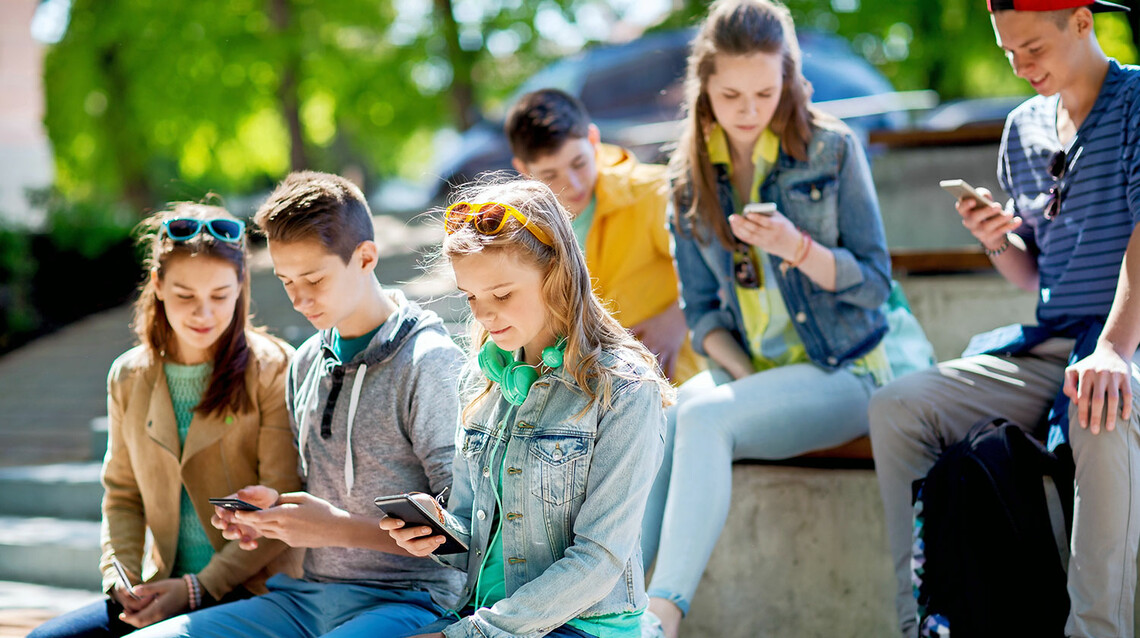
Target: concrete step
point(50, 551)
point(70, 490)
point(25, 606)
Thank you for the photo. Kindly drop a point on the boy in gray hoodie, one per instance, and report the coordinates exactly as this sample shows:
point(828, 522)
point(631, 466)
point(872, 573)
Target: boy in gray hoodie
point(374, 404)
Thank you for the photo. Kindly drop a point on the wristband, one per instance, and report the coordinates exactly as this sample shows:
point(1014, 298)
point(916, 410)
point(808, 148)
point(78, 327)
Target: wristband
point(997, 251)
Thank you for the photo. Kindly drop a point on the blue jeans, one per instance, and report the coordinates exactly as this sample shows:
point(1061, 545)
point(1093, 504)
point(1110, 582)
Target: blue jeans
point(302, 609)
point(770, 415)
point(100, 619)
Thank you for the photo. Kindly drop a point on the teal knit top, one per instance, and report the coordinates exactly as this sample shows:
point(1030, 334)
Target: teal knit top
point(187, 383)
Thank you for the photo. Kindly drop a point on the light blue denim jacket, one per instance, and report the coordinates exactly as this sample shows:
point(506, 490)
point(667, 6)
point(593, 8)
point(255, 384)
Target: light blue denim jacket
point(574, 493)
point(835, 327)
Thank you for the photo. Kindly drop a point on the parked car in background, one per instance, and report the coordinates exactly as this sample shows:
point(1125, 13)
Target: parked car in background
point(633, 93)
point(985, 112)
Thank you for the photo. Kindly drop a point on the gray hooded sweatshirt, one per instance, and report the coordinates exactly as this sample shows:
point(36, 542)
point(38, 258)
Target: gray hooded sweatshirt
point(380, 424)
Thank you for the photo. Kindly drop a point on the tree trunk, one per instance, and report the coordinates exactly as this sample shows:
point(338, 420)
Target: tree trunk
point(280, 14)
point(462, 86)
point(127, 146)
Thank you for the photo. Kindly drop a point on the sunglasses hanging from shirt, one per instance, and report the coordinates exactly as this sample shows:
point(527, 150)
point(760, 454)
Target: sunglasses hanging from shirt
point(1061, 166)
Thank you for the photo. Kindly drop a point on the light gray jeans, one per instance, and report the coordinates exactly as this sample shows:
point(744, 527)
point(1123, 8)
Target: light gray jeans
point(914, 418)
point(775, 414)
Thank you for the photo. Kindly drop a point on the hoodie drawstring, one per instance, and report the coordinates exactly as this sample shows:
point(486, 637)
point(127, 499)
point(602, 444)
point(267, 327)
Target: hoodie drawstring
point(357, 383)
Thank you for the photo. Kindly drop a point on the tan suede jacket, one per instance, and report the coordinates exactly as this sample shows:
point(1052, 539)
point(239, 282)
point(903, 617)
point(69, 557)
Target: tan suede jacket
point(145, 468)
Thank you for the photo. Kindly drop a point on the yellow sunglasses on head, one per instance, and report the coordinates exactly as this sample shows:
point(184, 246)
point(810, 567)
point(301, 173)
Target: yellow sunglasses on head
point(489, 218)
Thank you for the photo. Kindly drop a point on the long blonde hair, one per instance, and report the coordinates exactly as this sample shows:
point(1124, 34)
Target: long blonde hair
point(573, 311)
point(735, 28)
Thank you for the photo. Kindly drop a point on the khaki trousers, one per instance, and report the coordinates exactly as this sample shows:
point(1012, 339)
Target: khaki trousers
point(917, 416)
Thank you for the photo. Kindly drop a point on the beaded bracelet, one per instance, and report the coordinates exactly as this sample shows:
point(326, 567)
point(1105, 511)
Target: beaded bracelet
point(193, 591)
point(997, 251)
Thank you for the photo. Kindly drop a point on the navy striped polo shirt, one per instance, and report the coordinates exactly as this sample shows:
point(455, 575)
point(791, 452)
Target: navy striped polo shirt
point(1080, 251)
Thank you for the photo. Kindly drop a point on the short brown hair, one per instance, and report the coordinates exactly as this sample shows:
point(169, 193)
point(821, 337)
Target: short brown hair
point(308, 205)
point(540, 122)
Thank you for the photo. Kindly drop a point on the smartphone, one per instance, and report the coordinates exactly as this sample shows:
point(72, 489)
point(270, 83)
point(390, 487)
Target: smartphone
point(234, 504)
point(406, 508)
point(959, 188)
point(760, 208)
point(124, 582)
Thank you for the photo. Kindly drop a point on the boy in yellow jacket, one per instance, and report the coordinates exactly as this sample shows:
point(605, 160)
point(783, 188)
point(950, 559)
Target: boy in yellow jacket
point(619, 211)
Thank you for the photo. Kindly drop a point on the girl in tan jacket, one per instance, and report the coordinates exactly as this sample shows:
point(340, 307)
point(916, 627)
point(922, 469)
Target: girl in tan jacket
point(197, 410)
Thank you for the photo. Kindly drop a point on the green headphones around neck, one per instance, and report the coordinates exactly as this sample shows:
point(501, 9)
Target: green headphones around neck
point(515, 377)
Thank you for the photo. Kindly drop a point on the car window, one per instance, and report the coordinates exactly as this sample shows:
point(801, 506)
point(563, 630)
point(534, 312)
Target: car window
point(646, 87)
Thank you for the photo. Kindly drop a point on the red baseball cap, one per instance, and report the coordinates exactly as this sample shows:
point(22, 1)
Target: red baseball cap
point(1096, 6)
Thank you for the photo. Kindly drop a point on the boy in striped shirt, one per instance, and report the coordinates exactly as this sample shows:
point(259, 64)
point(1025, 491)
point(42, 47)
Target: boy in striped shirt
point(1070, 163)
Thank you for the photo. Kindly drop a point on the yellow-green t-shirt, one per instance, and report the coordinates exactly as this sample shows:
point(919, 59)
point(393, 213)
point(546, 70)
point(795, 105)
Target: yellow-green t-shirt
point(768, 329)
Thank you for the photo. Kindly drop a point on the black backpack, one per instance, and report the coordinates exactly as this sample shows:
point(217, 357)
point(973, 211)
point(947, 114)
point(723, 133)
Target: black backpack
point(991, 537)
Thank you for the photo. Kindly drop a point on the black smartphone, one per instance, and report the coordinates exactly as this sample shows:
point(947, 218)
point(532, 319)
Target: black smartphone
point(409, 510)
point(234, 504)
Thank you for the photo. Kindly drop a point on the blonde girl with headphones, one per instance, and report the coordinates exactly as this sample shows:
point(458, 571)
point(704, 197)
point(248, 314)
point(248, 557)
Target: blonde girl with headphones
point(556, 454)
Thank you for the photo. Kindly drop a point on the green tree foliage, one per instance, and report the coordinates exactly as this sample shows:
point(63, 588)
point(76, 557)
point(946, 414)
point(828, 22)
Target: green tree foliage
point(150, 101)
point(944, 45)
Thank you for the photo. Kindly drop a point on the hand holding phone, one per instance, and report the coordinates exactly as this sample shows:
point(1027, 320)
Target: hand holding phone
point(408, 508)
point(960, 188)
point(124, 582)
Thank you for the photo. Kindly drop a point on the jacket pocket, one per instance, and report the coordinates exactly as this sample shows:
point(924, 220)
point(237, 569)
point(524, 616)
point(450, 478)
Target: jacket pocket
point(474, 442)
point(814, 207)
point(563, 462)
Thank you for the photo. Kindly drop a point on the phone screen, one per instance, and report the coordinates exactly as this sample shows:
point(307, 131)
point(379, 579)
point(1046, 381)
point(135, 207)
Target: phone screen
point(234, 504)
point(408, 510)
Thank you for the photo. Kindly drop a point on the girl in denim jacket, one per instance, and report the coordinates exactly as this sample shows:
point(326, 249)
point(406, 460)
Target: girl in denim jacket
point(786, 305)
point(556, 454)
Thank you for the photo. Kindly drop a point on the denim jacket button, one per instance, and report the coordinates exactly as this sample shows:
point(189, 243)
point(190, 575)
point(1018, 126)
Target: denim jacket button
point(832, 361)
point(801, 317)
point(815, 194)
point(481, 515)
point(486, 471)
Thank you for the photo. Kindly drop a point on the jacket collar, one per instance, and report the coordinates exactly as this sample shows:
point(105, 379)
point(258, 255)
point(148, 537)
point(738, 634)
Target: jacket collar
point(767, 147)
point(162, 426)
point(613, 189)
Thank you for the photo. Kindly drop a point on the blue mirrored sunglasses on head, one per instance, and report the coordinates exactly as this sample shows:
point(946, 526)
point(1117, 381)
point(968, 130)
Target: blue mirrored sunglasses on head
point(184, 228)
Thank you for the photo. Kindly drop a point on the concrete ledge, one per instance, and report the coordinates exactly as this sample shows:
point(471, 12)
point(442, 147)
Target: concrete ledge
point(803, 555)
point(64, 489)
point(50, 551)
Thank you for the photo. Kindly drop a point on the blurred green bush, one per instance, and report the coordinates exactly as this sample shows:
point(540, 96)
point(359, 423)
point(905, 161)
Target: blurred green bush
point(83, 261)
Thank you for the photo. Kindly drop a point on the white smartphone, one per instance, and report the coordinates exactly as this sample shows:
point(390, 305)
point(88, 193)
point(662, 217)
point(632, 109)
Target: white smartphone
point(124, 582)
point(766, 209)
point(960, 188)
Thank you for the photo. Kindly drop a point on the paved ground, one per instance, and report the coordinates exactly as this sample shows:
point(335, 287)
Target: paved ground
point(52, 388)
